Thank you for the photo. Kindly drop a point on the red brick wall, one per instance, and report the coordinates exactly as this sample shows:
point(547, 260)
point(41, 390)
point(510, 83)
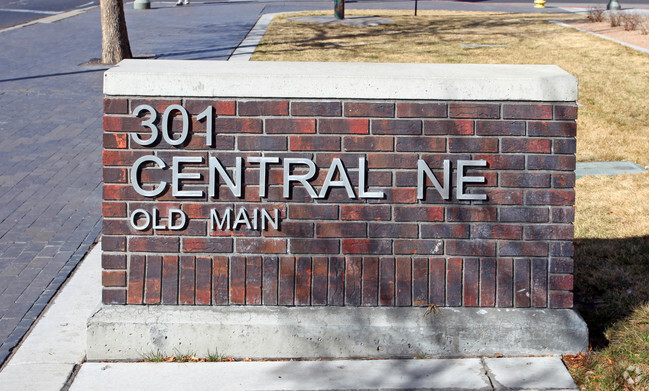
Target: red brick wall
point(512, 250)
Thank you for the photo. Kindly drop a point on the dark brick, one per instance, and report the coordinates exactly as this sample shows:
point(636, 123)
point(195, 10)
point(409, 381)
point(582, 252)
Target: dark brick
point(270, 268)
point(343, 126)
point(392, 230)
point(419, 247)
point(421, 110)
point(539, 283)
point(341, 230)
point(503, 196)
point(563, 215)
point(421, 144)
point(523, 249)
point(260, 246)
point(471, 213)
point(115, 175)
point(370, 289)
point(319, 280)
point(562, 249)
point(471, 248)
point(562, 265)
point(527, 111)
point(465, 144)
point(314, 143)
point(111, 296)
point(313, 212)
point(526, 145)
point(386, 281)
point(487, 282)
point(121, 158)
point(418, 213)
point(522, 283)
point(262, 143)
point(445, 231)
point(220, 107)
point(524, 215)
point(562, 282)
point(561, 299)
point(187, 286)
point(451, 127)
point(552, 129)
point(396, 126)
point(263, 107)
point(549, 232)
point(496, 231)
point(420, 281)
point(368, 143)
point(253, 280)
point(362, 109)
point(113, 278)
point(314, 246)
point(366, 246)
point(237, 125)
point(437, 281)
point(505, 280)
point(207, 245)
point(559, 163)
point(391, 160)
point(454, 282)
point(153, 288)
point(115, 106)
point(524, 179)
point(474, 110)
point(563, 180)
point(115, 140)
point(565, 145)
point(353, 278)
point(365, 212)
point(290, 125)
point(113, 209)
point(302, 280)
point(550, 197)
point(500, 128)
point(160, 105)
point(502, 162)
point(563, 112)
point(336, 289)
point(286, 280)
point(113, 261)
point(220, 283)
point(316, 109)
point(471, 285)
point(403, 281)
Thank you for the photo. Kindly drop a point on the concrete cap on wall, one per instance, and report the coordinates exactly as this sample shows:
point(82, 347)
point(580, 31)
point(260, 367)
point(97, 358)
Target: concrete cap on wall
point(257, 79)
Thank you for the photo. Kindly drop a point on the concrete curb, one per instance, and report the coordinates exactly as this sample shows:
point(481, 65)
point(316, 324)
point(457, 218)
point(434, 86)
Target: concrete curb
point(638, 48)
point(247, 47)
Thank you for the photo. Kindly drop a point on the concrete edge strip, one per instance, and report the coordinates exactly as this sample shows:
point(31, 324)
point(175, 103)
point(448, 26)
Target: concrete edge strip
point(50, 19)
point(638, 48)
point(247, 47)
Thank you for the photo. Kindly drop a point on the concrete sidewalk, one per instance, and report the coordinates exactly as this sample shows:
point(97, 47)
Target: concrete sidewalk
point(51, 358)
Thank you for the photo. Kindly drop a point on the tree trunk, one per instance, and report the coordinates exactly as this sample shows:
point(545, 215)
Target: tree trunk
point(114, 43)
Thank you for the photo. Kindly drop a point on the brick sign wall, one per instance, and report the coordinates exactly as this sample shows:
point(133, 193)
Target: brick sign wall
point(368, 238)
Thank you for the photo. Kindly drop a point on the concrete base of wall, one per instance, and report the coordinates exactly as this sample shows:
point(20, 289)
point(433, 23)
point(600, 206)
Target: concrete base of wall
point(131, 332)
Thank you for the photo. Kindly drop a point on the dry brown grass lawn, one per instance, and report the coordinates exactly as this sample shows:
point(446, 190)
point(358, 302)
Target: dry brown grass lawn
point(614, 80)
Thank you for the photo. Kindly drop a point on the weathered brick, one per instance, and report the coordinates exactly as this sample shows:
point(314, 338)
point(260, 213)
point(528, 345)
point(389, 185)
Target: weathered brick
point(270, 270)
point(421, 110)
point(487, 282)
point(562, 265)
point(115, 106)
point(353, 281)
point(386, 282)
point(403, 279)
point(366, 109)
point(115, 175)
point(314, 246)
point(319, 280)
point(237, 280)
point(420, 281)
point(336, 281)
point(314, 143)
point(392, 230)
point(419, 247)
point(502, 162)
point(550, 197)
point(470, 213)
point(207, 245)
point(113, 278)
point(502, 196)
point(496, 231)
point(115, 140)
point(421, 144)
point(187, 282)
point(260, 246)
point(153, 287)
point(454, 285)
point(522, 283)
point(561, 282)
point(113, 261)
point(437, 281)
point(445, 231)
point(398, 196)
point(262, 143)
point(526, 145)
point(505, 282)
point(396, 126)
point(466, 144)
point(153, 244)
point(391, 160)
point(563, 180)
point(370, 286)
point(474, 110)
point(203, 280)
point(559, 163)
point(565, 145)
point(262, 107)
point(522, 249)
point(220, 283)
point(238, 125)
point(539, 283)
point(562, 249)
point(561, 299)
point(169, 289)
point(159, 105)
point(343, 126)
point(113, 296)
point(220, 107)
point(366, 246)
point(524, 179)
point(113, 243)
point(368, 143)
point(552, 129)
point(286, 280)
point(341, 230)
point(308, 212)
point(563, 112)
point(527, 111)
point(500, 128)
point(316, 109)
point(365, 212)
point(121, 158)
point(563, 215)
point(471, 248)
point(418, 213)
point(524, 214)
point(451, 127)
point(136, 279)
point(302, 280)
